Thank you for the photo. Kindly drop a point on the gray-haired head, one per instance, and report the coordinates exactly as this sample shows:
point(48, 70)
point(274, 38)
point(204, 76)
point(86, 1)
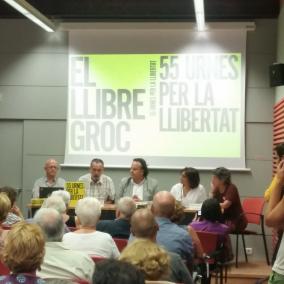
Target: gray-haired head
point(88, 211)
point(55, 202)
point(51, 223)
point(126, 207)
point(65, 195)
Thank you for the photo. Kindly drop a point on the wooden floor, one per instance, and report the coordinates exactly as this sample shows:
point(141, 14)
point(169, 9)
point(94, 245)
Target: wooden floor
point(247, 273)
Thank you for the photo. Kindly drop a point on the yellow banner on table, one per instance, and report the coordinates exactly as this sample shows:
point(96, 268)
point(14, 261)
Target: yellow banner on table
point(76, 190)
point(37, 201)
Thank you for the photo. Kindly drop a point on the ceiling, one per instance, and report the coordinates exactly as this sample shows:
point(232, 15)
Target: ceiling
point(148, 10)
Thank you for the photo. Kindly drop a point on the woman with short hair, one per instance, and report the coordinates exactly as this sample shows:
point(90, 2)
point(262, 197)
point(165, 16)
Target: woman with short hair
point(23, 253)
point(87, 238)
point(228, 197)
point(148, 257)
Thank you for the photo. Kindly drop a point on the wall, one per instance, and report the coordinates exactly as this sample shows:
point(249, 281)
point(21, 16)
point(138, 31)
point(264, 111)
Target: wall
point(279, 91)
point(33, 105)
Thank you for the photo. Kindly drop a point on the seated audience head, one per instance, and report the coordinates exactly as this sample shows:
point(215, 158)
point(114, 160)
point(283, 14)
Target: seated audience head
point(65, 195)
point(5, 206)
point(125, 208)
point(190, 177)
point(148, 257)
point(55, 202)
point(178, 212)
point(119, 272)
point(88, 211)
point(139, 169)
point(51, 168)
point(279, 150)
point(51, 223)
point(11, 193)
point(211, 210)
point(221, 177)
point(144, 225)
point(24, 248)
point(96, 169)
point(163, 204)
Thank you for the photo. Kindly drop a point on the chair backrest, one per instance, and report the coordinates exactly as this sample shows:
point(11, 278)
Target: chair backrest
point(4, 270)
point(253, 208)
point(96, 258)
point(209, 241)
point(120, 243)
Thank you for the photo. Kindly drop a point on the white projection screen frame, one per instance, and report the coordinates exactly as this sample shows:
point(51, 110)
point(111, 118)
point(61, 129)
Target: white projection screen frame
point(174, 97)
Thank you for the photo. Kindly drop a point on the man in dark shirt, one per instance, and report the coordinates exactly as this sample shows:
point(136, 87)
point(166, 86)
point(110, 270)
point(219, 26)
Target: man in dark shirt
point(120, 227)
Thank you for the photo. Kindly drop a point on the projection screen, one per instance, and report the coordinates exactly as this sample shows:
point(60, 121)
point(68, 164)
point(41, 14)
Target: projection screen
point(173, 97)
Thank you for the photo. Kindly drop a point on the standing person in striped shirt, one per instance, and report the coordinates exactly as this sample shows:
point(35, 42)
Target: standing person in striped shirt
point(98, 184)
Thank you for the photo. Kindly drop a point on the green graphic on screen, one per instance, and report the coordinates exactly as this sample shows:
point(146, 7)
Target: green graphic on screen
point(160, 105)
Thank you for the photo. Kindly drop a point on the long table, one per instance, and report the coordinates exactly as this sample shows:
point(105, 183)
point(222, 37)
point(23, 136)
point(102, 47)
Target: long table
point(108, 212)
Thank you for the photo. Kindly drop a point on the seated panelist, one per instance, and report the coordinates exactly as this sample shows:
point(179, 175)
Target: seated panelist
point(189, 190)
point(138, 186)
point(98, 184)
point(50, 179)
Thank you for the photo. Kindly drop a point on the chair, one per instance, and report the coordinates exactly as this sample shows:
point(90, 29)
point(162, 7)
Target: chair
point(4, 270)
point(253, 208)
point(96, 258)
point(212, 248)
point(120, 243)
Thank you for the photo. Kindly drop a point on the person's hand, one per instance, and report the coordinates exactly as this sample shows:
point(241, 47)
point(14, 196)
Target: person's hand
point(280, 172)
point(135, 198)
point(16, 210)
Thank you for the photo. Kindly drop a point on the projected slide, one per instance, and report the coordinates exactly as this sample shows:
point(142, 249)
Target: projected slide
point(172, 109)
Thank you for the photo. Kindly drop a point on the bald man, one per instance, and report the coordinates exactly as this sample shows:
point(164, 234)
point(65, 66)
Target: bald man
point(171, 236)
point(50, 179)
point(144, 225)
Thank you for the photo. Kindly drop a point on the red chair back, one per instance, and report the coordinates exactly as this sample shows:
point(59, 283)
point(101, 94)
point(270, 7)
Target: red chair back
point(253, 208)
point(97, 259)
point(209, 241)
point(4, 270)
point(120, 243)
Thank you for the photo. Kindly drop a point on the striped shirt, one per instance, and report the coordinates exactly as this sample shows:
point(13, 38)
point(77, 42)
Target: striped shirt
point(102, 189)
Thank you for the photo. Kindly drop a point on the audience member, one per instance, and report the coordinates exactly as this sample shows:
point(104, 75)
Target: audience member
point(120, 227)
point(275, 218)
point(23, 253)
point(176, 218)
point(65, 195)
point(59, 261)
point(170, 235)
point(144, 225)
point(279, 153)
point(189, 190)
point(5, 207)
point(228, 196)
point(210, 221)
point(139, 185)
point(97, 184)
point(87, 238)
point(110, 271)
point(50, 179)
point(56, 202)
point(148, 257)
point(15, 215)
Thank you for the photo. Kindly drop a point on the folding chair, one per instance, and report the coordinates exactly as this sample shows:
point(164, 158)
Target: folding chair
point(253, 208)
point(120, 243)
point(212, 248)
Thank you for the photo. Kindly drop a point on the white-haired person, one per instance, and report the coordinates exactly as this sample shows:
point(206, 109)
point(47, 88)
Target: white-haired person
point(59, 261)
point(87, 238)
point(120, 227)
point(56, 202)
point(65, 195)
